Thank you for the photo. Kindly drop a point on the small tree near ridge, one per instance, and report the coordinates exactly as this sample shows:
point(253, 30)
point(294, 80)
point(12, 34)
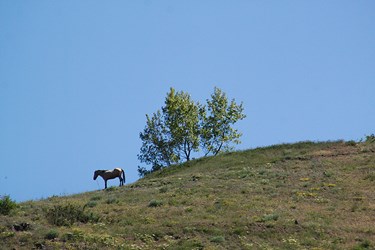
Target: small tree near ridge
point(183, 126)
point(217, 131)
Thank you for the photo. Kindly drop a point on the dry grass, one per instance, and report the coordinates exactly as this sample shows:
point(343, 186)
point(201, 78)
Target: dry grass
point(293, 196)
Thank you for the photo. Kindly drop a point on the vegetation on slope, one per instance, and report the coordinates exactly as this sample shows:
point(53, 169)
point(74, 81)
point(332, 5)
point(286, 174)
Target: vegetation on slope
point(182, 127)
point(291, 196)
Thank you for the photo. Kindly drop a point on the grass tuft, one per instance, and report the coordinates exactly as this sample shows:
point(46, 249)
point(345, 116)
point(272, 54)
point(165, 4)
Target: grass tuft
point(155, 203)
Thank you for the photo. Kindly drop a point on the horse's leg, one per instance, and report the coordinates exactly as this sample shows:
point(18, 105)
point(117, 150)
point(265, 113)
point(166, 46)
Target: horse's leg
point(121, 181)
point(105, 184)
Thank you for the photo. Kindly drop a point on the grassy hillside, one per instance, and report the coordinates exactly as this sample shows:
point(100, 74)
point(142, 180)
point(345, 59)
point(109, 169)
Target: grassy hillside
point(292, 196)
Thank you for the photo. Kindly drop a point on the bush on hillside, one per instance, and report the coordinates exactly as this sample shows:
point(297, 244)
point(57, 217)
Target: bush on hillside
point(7, 205)
point(67, 215)
point(155, 203)
point(370, 138)
point(52, 234)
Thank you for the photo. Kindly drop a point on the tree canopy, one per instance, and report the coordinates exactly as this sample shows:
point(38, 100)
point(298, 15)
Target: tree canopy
point(217, 131)
point(183, 126)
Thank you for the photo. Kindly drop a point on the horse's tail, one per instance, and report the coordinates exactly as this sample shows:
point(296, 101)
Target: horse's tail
point(123, 175)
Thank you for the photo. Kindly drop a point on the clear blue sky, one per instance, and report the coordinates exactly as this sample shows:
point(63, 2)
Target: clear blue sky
point(78, 77)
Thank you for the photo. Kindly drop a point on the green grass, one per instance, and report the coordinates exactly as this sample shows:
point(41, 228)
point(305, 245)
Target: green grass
point(292, 196)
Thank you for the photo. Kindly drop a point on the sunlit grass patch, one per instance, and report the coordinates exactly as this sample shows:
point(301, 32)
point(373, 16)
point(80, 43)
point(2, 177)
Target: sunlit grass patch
point(330, 185)
point(306, 194)
point(305, 179)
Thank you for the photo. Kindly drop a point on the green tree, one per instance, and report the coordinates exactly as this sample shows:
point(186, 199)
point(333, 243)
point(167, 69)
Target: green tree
point(156, 144)
point(173, 133)
point(217, 132)
point(182, 119)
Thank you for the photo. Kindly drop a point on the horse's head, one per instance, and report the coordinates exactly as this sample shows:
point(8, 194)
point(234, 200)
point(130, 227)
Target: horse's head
point(96, 174)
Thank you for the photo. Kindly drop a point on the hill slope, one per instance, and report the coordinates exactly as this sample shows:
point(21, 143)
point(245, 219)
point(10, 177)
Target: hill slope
point(292, 196)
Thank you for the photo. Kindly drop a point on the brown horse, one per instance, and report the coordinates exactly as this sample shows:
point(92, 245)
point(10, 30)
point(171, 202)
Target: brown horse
point(111, 174)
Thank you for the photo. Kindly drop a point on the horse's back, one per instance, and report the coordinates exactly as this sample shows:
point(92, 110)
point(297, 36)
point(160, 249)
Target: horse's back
point(118, 170)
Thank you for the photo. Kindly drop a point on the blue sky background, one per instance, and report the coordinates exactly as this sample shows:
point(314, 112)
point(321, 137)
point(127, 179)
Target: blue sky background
point(78, 77)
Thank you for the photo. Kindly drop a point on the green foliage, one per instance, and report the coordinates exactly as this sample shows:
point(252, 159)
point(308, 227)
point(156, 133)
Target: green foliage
point(370, 138)
point(7, 205)
point(217, 239)
point(76, 235)
point(217, 130)
point(269, 217)
point(67, 215)
point(351, 143)
point(91, 204)
point(112, 200)
point(182, 120)
point(155, 203)
point(363, 245)
point(156, 146)
point(182, 126)
point(95, 198)
point(172, 134)
point(163, 190)
point(52, 234)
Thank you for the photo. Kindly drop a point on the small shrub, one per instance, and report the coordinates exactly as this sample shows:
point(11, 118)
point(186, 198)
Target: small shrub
point(155, 203)
point(91, 204)
point(217, 239)
point(112, 200)
point(189, 230)
point(269, 217)
point(351, 143)
point(364, 245)
point(370, 138)
point(189, 210)
point(163, 190)
point(66, 215)
point(328, 174)
point(7, 205)
point(52, 234)
point(239, 231)
point(96, 198)
point(370, 176)
point(76, 235)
